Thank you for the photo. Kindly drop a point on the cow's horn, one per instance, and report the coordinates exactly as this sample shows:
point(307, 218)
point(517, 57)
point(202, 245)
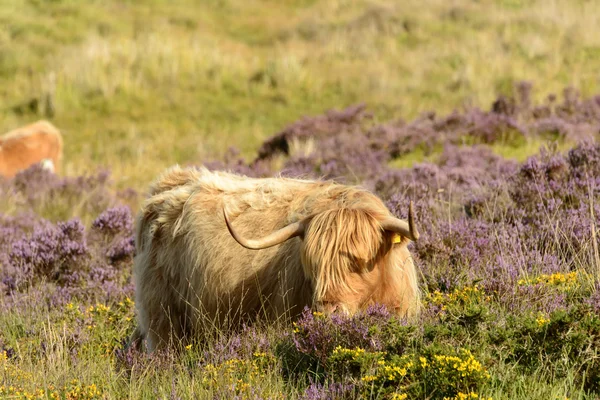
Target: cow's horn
point(405, 229)
point(275, 238)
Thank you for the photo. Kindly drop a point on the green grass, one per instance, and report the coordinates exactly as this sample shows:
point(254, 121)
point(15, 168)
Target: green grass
point(69, 350)
point(138, 86)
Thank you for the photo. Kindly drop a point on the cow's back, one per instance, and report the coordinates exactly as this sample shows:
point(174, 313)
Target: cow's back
point(29, 145)
point(188, 263)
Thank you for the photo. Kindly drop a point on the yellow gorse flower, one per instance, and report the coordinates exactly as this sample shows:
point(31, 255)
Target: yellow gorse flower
point(466, 365)
point(563, 281)
point(75, 390)
point(405, 369)
point(465, 396)
point(240, 374)
point(467, 294)
point(339, 350)
point(542, 320)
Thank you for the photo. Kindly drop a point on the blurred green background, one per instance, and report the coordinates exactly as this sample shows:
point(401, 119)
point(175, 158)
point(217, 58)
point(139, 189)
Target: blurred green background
point(137, 86)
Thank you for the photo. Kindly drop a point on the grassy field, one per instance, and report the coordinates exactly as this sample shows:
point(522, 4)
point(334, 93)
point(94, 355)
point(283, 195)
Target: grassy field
point(508, 261)
point(138, 86)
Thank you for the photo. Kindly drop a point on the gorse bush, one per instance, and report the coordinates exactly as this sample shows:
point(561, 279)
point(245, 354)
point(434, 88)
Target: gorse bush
point(239, 377)
point(409, 376)
point(387, 363)
point(508, 259)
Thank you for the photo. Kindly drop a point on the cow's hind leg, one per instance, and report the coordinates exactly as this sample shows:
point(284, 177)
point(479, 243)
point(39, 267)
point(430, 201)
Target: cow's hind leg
point(135, 340)
point(165, 330)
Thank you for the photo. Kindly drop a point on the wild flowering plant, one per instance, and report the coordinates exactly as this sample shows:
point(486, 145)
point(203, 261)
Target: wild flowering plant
point(238, 376)
point(331, 391)
point(57, 198)
point(470, 303)
point(317, 335)
point(392, 376)
point(114, 228)
point(366, 146)
point(73, 390)
point(562, 281)
point(54, 252)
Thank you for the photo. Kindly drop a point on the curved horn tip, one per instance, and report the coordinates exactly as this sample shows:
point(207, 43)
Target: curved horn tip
point(411, 222)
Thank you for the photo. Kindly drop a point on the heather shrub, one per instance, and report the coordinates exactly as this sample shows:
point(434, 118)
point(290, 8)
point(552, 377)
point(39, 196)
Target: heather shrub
point(54, 252)
point(331, 391)
point(344, 158)
point(334, 122)
point(13, 228)
point(593, 301)
point(84, 263)
point(57, 198)
point(554, 207)
point(233, 162)
point(317, 336)
point(463, 178)
point(113, 233)
point(348, 143)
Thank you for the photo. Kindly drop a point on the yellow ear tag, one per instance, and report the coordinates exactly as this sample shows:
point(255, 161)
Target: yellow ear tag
point(396, 238)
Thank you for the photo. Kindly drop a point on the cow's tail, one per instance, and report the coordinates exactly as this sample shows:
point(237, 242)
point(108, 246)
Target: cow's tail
point(142, 225)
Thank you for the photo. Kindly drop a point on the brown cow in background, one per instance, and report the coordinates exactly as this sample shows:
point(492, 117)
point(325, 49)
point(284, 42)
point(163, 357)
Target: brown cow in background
point(31, 144)
point(215, 249)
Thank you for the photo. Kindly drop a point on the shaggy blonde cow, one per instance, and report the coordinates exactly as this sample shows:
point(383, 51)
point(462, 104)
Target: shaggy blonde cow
point(31, 144)
point(216, 249)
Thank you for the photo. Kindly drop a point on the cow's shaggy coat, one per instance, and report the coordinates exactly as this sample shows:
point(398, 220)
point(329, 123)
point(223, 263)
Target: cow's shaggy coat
point(190, 273)
point(31, 144)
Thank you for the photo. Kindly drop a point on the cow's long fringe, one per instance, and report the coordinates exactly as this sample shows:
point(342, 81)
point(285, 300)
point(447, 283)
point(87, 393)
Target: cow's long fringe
point(338, 242)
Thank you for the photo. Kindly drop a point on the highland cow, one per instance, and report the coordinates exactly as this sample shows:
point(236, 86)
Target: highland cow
point(216, 249)
point(39, 142)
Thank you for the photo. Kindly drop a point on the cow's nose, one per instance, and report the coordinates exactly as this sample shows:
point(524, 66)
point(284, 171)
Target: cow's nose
point(329, 307)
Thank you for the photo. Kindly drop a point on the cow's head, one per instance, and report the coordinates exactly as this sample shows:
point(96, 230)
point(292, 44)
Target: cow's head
point(353, 257)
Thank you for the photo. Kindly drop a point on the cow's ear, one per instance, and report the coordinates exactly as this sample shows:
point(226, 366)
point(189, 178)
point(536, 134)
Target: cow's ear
point(397, 239)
